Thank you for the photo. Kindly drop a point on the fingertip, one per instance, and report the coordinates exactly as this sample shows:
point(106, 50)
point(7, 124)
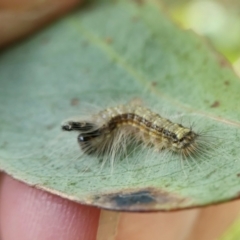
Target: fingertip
point(19, 19)
point(30, 213)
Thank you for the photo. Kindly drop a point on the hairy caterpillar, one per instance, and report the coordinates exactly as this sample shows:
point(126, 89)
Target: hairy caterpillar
point(110, 131)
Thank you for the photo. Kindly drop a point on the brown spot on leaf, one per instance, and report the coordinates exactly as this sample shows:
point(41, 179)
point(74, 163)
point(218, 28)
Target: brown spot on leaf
point(108, 40)
point(227, 83)
point(224, 62)
point(154, 84)
point(74, 102)
point(215, 104)
point(238, 175)
point(140, 200)
point(139, 2)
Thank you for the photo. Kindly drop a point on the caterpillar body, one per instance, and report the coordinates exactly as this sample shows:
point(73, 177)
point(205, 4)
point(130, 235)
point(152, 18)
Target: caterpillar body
point(111, 130)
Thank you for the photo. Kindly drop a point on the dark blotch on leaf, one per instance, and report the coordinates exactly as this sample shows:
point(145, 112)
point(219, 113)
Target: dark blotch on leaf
point(139, 2)
point(223, 62)
point(142, 197)
point(140, 200)
point(227, 83)
point(215, 104)
point(108, 40)
point(74, 102)
point(154, 84)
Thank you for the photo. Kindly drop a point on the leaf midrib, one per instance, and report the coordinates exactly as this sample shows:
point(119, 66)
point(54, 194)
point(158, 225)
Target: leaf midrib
point(139, 77)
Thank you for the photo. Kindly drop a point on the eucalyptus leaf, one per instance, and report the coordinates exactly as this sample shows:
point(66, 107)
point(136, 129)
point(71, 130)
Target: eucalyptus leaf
point(104, 54)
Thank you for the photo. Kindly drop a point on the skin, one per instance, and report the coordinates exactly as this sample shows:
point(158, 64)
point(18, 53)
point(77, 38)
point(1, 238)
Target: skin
point(28, 213)
point(35, 214)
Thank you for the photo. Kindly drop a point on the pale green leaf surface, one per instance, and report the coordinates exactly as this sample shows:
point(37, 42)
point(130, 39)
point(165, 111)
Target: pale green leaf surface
point(108, 53)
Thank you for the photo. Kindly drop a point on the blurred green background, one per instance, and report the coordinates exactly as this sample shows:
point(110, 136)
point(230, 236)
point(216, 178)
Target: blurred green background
point(218, 21)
